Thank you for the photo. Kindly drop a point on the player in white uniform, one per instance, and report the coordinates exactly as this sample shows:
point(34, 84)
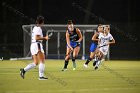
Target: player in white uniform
point(37, 50)
point(94, 45)
point(105, 39)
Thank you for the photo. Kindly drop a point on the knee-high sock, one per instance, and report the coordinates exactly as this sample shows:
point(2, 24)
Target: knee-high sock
point(95, 58)
point(29, 66)
point(88, 60)
point(41, 69)
point(66, 64)
point(99, 62)
point(73, 59)
point(74, 64)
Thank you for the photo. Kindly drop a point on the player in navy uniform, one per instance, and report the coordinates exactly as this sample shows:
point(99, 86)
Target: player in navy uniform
point(73, 39)
point(94, 45)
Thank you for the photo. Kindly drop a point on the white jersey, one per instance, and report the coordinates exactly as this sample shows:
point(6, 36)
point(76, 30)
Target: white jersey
point(36, 46)
point(103, 40)
point(36, 31)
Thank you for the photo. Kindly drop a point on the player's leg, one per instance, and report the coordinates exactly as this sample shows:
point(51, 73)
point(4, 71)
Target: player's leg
point(34, 51)
point(99, 59)
point(101, 54)
point(29, 66)
point(74, 56)
point(95, 57)
point(41, 58)
point(89, 59)
point(92, 54)
point(68, 53)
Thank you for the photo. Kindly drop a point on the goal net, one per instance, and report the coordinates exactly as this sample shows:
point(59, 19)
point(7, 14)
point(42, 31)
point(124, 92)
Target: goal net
point(55, 48)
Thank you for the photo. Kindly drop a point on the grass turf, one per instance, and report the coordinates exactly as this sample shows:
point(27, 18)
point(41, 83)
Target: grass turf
point(111, 77)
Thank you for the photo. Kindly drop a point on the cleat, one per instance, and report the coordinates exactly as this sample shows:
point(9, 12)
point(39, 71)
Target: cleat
point(96, 68)
point(22, 73)
point(94, 63)
point(85, 65)
point(43, 78)
point(74, 64)
point(74, 68)
point(64, 69)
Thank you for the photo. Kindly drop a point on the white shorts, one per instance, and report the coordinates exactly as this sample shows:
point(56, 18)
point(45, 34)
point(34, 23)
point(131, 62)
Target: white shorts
point(104, 50)
point(34, 48)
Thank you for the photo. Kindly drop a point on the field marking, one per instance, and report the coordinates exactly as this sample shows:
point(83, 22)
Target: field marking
point(73, 91)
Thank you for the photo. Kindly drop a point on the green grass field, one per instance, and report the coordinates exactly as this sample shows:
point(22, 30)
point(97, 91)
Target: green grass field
point(111, 77)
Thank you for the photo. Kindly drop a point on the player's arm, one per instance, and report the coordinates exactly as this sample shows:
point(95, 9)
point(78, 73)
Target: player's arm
point(38, 33)
point(99, 40)
point(68, 40)
point(38, 37)
point(111, 41)
point(79, 34)
point(94, 37)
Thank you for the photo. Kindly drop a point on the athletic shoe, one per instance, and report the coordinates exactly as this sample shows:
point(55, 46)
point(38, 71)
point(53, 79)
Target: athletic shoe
point(94, 63)
point(22, 73)
point(64, 69)
point(96, 68)
point(85, 65)
point(74, 64)
point(74, 68)
point(43, 78)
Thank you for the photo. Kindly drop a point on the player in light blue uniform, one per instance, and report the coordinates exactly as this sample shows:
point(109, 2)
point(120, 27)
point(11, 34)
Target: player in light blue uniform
point(94, 45)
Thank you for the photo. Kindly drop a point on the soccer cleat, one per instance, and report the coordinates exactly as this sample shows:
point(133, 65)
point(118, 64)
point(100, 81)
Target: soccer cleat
point(22, 73)
point(74, 64)
point(94, 63)
point(96, 68)
point(74, 68)
point(43, 78)
point(85, 65)
point(64, 69)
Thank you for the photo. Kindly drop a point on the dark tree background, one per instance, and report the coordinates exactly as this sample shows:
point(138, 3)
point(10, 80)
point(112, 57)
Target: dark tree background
point(123, 15)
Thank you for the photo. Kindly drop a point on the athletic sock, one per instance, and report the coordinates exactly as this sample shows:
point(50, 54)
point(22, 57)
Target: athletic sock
point(29, 66)
point(66, 64)
point(41, 69)
point(99, 62)
point(74, 64)
point(95, 58)
point(73, 59)
point(88, 60)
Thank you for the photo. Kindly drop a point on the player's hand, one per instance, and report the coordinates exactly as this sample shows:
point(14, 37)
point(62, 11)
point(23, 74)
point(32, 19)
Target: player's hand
point(71, 49)
point(46, 37)
point(78, 42)
point(107, 43)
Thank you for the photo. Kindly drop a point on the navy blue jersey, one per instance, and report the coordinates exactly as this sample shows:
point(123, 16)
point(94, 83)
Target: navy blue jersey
point(96, 42)
point(73, 36)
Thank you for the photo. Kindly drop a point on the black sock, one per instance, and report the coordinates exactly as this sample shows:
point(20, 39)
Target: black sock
point(88, 60)
point(73, 59)
point(66, 63)
point(24, 71)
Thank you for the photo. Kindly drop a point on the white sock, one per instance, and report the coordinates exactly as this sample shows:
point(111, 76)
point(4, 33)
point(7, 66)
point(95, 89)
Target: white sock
point(29, 66)
point(41, 69)
point(95, 58)
point(99, 62)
